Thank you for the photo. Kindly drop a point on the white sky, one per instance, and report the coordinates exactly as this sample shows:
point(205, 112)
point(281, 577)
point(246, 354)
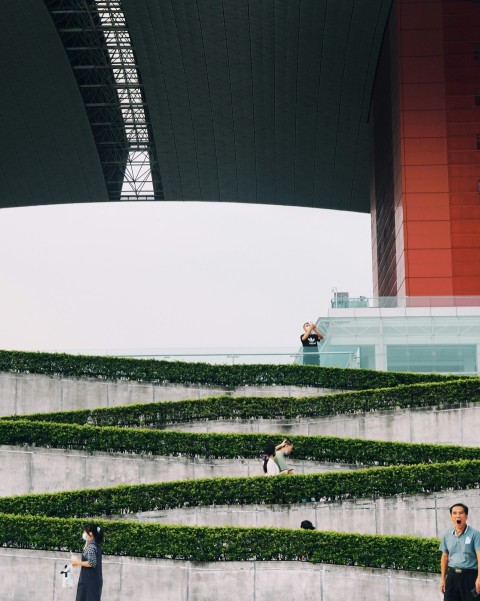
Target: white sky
point(173, 275)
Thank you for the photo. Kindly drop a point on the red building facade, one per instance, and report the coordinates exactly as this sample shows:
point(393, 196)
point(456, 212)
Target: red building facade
point(425, 157)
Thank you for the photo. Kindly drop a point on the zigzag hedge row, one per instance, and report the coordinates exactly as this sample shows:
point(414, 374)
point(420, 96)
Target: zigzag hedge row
point(151, 370)
point(370, 483)
point(225, 544)
point(216, 544)
point(156, 415)
point(210, 445)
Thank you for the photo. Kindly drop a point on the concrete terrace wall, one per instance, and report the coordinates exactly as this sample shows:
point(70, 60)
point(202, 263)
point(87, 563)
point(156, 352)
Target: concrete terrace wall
point(37, 470)
point(49, 470)
point(22, 394)
point(416, 515)
point(33, 575)
point(440, 426)
point(29, 575)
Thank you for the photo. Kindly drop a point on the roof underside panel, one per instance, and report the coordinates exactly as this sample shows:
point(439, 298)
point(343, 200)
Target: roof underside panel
point(79, 28)
point(248, 101)
point(262, 102)
point(47, 155)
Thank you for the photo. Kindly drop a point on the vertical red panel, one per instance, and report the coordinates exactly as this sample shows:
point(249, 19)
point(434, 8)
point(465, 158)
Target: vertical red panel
point(462, 77)
point(424, 162)
point(434, 78)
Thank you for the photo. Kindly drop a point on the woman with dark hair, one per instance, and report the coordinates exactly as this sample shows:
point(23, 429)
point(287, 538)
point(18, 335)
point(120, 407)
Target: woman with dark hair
point(90, 582)
point(269, 466)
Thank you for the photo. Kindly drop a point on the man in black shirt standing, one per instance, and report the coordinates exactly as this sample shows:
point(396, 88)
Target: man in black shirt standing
point(310, 339)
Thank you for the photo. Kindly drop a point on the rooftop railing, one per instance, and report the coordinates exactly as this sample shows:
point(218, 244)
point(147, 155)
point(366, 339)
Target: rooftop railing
point(232, 356)
point(387, 302)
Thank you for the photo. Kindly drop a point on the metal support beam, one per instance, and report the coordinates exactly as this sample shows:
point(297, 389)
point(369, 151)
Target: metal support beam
point(97, 42)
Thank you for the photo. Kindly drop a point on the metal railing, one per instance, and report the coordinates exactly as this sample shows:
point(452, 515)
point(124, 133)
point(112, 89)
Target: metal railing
point(232, 356)
point(387, 302)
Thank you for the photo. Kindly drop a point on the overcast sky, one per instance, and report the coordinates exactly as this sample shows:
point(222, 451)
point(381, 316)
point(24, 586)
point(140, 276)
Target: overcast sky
point(173, 275)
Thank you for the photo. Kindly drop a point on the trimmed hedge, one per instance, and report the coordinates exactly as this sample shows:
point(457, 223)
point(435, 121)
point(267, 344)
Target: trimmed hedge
point(210, 445)
point(156, 415)
point(325, 487)
point(152, 370)
point(225, 544)
point(233, 544)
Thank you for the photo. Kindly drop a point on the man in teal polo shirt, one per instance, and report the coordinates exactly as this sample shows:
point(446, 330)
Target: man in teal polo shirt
point(460, 558)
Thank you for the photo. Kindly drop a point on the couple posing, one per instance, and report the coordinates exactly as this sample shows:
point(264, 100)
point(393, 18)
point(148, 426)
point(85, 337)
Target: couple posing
point(274, 460)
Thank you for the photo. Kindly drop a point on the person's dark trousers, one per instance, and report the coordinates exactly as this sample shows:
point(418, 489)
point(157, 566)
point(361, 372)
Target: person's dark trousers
point(458, 586)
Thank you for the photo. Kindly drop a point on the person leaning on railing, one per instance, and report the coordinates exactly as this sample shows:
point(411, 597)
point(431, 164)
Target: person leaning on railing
point(284, 449)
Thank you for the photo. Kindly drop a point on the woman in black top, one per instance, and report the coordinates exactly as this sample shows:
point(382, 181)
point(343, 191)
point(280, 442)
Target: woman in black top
point(90, 582)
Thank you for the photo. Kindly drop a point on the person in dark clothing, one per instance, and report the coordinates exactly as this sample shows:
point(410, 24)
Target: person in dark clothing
point(309, 339)
point(306, 525)
point(90, 582)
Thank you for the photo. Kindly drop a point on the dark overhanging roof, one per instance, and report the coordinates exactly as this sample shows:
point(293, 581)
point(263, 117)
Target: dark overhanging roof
point(259, 101)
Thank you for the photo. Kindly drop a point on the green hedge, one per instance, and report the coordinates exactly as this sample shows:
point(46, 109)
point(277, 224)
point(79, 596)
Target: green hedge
point(325, 487)
point(156, 415)
point(225, 544)
point(210, 445)
point(228, 544)
point(151, 370)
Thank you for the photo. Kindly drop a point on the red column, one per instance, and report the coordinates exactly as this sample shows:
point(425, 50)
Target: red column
point(462, 88)
point(436, 158)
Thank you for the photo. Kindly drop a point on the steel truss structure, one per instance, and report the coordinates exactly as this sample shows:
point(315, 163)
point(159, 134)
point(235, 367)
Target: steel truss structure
point(95, 36)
